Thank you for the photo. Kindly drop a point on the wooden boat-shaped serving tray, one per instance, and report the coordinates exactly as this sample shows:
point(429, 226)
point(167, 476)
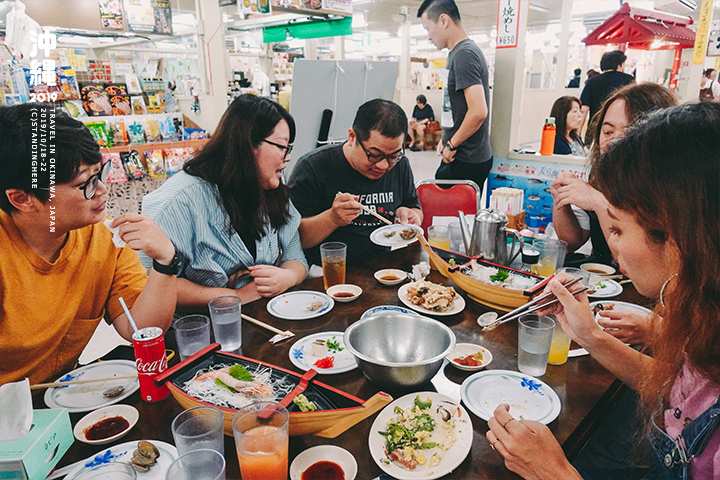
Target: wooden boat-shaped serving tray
point(493, 296)
point(337, 411)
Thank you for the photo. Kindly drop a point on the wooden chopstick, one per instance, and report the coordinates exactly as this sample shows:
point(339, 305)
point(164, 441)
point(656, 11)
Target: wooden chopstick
point(373, 213)
point(535, 301)
point(78, 382)
point(261, 324)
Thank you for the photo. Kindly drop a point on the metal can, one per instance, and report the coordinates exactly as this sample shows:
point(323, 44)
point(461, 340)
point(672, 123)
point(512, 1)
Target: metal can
point(150, 359)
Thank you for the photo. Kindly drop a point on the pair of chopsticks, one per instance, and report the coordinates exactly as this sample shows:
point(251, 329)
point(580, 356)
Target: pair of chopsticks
point(280, 334)
point(78, 382)
point(376, 215)
point(533, 305)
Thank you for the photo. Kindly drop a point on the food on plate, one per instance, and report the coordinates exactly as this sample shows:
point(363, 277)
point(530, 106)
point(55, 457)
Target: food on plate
point(144, 457)
point(596, 270)
point(106, 428)
point(408, 234)
point(323, 470)
point(239, 379)
point(327, 362)
point(321, 347)
point(316, 305)
point(602, 307)
point(389, 234)
point(472, 360)
point(114, 392)
point(500, 277)
point(304, 404)
point(431, 296)
point(420, 434)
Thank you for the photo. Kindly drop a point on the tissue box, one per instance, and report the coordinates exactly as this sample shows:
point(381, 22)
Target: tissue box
point(33, 457)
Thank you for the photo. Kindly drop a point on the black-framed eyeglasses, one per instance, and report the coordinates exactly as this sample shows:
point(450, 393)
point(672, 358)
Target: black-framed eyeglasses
point(89, 186)
point(392, 159)
point(287, 149)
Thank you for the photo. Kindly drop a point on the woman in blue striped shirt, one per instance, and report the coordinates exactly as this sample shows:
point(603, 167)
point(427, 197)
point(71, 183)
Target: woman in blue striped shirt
point(228, 211)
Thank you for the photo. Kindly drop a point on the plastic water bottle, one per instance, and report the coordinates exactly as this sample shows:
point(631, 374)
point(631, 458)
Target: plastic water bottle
point(547, 144)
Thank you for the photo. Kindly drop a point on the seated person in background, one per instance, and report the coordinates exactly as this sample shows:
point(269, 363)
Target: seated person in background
point(230, 214)
point(575, 81)
point(568, 122)
point(60, 273)
point(421, 116)
point(370, 169)
point(624, 108)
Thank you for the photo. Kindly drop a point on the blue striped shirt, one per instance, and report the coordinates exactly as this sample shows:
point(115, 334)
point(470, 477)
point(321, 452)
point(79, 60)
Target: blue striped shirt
point(189, 211)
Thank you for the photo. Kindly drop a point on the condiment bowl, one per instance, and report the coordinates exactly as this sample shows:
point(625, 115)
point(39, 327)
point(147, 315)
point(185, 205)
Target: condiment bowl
point(326, 453)
point(128, 412)
point(390, 276)
point(598, 270)
point(343, 290)
point(397, 350)
point(465, 349)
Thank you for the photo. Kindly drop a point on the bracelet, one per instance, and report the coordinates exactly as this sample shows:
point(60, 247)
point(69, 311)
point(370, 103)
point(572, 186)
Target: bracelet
point(450, 146)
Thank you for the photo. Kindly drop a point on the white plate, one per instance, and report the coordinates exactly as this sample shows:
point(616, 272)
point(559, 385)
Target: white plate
point(294, 305)
point(528, 397)
point(301, 354)
point(89, 396)
point(127, 412)
point(624, 306)
point(457, 306)
point(378, 235)
point(465, 349)
point(450, 458)
point(124, 452)
point(387, 308)
point(611, 289)
point(328, 453)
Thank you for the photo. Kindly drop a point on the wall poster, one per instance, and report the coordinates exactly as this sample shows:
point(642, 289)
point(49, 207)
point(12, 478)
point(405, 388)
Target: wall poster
point(149, 16)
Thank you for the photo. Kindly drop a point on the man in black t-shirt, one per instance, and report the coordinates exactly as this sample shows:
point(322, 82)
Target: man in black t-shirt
point(422, 115)
point(369, 169)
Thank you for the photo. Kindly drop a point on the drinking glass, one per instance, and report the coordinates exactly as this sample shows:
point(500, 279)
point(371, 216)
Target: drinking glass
point(552, 255)
point(534, 338)
point(227, 322)
point(192, 333)
point(114, 470)
point(261, 440)
point(199, 428)
point(456, 239)
point(333, 256)
point(560, 346)
point(439, 236)
point(203, 464)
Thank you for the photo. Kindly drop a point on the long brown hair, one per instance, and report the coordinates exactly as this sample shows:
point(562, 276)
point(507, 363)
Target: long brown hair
point(666, 172)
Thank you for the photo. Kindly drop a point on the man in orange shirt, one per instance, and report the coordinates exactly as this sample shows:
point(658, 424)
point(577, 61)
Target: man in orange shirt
point(60, 272)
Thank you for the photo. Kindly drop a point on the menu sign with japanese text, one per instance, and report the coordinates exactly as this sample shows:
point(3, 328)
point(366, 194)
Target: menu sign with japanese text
point(149, 16)
point(508, 23)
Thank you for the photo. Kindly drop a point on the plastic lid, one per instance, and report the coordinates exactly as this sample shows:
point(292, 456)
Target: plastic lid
point(530, 256)
point(550, 120)
point(532, 221)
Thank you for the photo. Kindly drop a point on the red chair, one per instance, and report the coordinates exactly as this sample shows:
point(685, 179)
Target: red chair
point(445, 202)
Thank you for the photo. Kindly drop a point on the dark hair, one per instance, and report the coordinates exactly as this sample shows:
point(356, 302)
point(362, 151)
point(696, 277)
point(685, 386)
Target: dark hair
point(708, 72)
point(435, 8)
point(421, 98)
point(577, 71)
point(612, 60)
point(387, 117)
point(666, 173)
point(559, 110)
point(20, 167)
point(228, 162)
point(592, 73)
point(640, 99)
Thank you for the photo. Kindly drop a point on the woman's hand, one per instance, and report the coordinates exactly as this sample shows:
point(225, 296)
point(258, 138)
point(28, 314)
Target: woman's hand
point(271, 280)
point(572, 312)
point(567, 189)
point(630, 327)
point(529, 448)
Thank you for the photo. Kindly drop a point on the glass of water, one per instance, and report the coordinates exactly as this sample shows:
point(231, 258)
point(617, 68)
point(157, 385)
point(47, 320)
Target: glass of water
point(226, 321)
point(192, 333)
point(203, 464)
point(535, 334)
point(199, 428)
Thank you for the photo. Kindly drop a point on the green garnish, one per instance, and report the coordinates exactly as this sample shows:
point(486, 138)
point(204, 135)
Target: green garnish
point(451, 261)
point(424, 422)
point(398, 410)
point(500, 276)
point(304, 404)
point(334, 346)
point(238, 372)
point(423, 405)
point(600, 285)
point(427, 445)
point(220, 383)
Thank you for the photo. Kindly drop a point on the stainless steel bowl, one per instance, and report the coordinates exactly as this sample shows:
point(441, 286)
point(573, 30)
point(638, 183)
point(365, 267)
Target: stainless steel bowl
point(397, 350)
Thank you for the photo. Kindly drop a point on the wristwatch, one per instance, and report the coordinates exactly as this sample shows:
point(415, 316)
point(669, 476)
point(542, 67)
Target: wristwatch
point(173, 268)
point(450, 146)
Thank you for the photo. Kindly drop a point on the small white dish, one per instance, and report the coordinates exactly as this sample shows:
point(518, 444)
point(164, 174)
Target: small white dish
point(597, 271)
point(604, 289)
point(328, 453)
point(390, 276)
point(128, 412)
point(465, 349)
point(344, 288)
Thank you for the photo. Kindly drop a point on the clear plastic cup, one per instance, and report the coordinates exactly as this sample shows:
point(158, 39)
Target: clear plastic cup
point(226, 318)
point(261, 439)
point(439, 236)
point(192, 333)
point(203, 464)
point(199, 428)
point(333, 256)
point(535, 335)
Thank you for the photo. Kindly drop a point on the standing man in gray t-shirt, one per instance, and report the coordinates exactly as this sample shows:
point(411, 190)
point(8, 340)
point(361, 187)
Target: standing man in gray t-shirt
point(465, 149)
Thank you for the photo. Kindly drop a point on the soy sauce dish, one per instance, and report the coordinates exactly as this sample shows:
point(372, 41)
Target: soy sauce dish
point(344, 293)
point(324, 461)
point(106, 424)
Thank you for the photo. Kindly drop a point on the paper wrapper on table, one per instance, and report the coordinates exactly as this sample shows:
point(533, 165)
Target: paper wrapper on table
point(35, 455)
point(517, 221)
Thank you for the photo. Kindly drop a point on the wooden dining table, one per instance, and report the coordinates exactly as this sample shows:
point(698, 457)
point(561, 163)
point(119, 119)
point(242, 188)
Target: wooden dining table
point(586, 390)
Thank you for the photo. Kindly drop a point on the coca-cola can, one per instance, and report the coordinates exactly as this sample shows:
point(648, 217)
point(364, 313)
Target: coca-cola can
point(150, 359)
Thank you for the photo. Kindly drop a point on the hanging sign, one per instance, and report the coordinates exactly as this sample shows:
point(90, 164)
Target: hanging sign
point(508, 23)
point(149, 16)
point(701, 37)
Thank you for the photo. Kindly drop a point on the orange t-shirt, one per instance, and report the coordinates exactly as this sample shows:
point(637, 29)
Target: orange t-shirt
point(49, 311)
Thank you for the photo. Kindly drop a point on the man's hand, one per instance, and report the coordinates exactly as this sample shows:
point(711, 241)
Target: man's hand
point(448, 156)
point(405, 215)
point(345, 209)
point(142, 233)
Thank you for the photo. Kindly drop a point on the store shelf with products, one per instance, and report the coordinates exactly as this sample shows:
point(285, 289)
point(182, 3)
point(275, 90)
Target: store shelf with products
point(143, 147)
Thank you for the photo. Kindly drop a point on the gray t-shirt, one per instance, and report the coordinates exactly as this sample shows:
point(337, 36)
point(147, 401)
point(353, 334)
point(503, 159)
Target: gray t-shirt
point(466, 67)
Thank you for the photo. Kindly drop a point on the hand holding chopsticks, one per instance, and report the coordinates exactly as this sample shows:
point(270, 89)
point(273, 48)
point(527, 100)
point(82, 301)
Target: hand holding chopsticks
point(367, 210)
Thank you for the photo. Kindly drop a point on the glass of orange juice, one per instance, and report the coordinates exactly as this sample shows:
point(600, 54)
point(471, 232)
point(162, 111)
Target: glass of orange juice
point(560, 346)
point(261, 440)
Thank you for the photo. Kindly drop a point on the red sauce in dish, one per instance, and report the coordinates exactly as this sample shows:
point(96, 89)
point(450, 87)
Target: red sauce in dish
point(343, 294)
point(106, 428)
point(389, 277)
point(323, 471)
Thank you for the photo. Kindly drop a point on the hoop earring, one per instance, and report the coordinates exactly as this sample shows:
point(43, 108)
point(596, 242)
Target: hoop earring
point(662, 290)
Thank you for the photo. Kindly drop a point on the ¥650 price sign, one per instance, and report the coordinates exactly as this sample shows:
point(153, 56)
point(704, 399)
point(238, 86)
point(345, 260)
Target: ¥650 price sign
point(508, 23)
